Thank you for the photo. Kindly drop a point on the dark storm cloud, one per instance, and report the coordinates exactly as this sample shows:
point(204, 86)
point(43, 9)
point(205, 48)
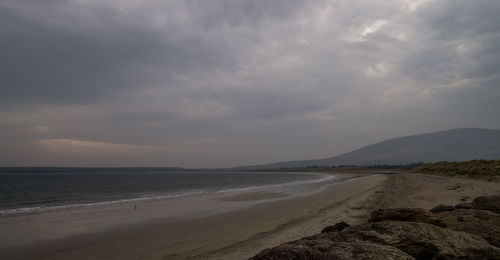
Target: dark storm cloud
point(217, 83)
point(463, 42)
point(44, 60)
point(75, 51)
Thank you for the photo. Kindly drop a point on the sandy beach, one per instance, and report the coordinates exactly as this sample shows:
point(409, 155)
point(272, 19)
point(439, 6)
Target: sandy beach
point(242, 224)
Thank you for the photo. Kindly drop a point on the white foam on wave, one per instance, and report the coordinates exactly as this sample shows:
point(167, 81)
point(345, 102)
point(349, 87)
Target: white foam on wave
point(49, 208)
point(325, 178)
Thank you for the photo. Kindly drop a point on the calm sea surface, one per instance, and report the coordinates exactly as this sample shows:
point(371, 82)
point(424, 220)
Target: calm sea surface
point(31, 189)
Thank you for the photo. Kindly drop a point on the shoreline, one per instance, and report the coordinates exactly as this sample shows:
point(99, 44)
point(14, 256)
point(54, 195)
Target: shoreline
point(33, 210)
point(53, 231)
point(241, 233)
point(66, 221)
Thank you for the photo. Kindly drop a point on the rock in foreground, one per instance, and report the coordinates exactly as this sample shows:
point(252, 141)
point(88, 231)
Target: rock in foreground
point(405, 233)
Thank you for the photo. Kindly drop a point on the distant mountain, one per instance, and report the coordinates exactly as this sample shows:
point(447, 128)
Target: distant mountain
point(452, 145)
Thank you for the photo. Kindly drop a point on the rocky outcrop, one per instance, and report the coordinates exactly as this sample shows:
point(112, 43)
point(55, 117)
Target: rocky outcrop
point(479, 222)
point(322, 246)
point(335, 228)
point(442, 208)
point(463, 206)
point(406, 214)
point(491, 203)
point(446, 232)
point(424, 241)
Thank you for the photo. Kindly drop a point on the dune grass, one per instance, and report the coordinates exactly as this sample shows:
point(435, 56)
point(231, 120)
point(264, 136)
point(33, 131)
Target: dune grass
point(482, 169)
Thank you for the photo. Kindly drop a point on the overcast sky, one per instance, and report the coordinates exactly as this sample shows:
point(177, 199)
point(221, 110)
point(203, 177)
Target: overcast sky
point(215, 83)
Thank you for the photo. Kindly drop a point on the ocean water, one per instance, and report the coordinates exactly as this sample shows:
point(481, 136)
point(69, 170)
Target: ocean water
point(30, 189)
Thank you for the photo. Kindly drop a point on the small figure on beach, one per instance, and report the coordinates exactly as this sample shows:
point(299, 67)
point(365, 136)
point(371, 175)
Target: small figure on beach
point(135, 207)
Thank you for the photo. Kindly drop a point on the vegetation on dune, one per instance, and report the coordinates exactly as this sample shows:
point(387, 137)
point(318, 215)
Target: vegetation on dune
point(487, 169)
point(346, 168)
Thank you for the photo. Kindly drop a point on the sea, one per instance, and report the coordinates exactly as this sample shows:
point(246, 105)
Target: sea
point(32, 189)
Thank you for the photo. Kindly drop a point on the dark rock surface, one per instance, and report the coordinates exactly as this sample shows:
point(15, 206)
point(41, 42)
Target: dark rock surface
point(405, 214)
point(442, 208)
point(479, 222)
point(447, 232)
point(491, 203)
point(324, 248)
point(335, 228)
point(464, 206)
point(424, 241)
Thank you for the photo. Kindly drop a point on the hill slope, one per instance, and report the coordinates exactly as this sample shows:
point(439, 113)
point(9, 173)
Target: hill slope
point(452, 145)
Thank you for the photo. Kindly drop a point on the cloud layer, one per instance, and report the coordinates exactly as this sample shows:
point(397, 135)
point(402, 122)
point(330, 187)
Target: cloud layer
point(224, 83)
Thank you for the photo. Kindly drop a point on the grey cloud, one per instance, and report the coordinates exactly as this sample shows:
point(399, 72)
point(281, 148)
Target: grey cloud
point(246, 13)
point(56, 54)
point(454, 20)
point(460, 40)
point(47, 61)
point(266, 80)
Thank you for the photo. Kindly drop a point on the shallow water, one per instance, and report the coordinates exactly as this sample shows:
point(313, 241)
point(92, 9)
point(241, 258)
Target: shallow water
point(33, 189)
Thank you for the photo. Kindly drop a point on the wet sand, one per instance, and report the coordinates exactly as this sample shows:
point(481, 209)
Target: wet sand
point(260, 220)
point(254, 196)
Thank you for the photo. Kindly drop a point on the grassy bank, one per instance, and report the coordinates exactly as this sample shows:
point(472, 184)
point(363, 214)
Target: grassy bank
point(346, 169)
point(483, 169)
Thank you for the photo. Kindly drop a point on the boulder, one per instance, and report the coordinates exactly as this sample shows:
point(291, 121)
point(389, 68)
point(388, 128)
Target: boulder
point(335, 228)
point(441, 208)
point(422, 240)
point(386, 240)
point(463, 206)
point(469, 216)
point(491, 203)
point(479, 222)
point(465, 231)
point(405, 214)
point(326, 249)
